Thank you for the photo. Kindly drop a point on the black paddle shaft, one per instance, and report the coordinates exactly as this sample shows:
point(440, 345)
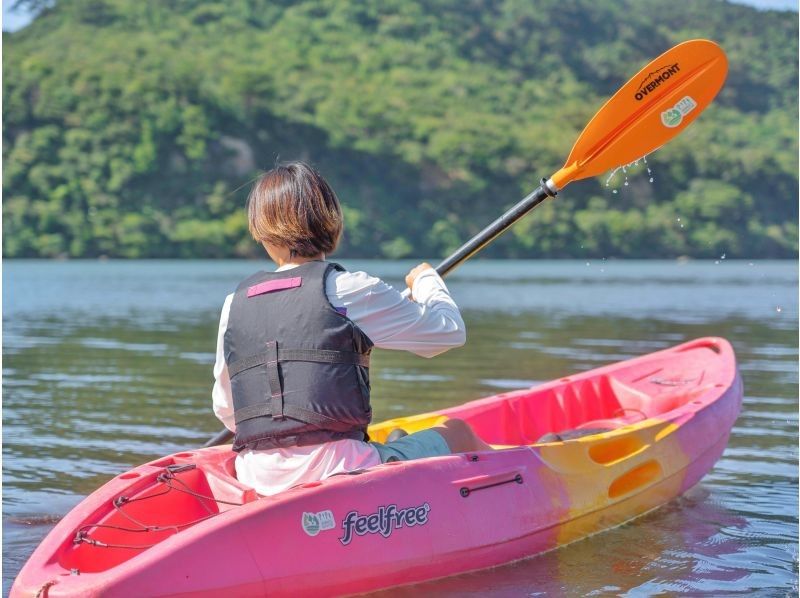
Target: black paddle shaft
point(221, 438)
point(466, 251)
point(496, 228)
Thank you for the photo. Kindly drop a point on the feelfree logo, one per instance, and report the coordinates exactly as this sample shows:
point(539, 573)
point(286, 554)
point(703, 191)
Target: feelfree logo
point(674, 116)
point(383, 522)
point(314, 523)
point(656, 78)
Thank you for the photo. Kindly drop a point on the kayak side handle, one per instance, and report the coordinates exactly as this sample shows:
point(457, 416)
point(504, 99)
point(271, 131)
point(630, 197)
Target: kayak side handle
point(483, 482)
point(634, 479)
point(616, 449)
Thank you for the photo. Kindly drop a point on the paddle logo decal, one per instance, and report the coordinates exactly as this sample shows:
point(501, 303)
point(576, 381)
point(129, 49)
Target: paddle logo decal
point(656, 78)
point(383, 522)
point(314, 523)
point(674, 116)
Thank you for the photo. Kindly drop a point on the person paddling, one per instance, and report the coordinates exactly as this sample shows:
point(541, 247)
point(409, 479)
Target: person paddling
point(293, 349)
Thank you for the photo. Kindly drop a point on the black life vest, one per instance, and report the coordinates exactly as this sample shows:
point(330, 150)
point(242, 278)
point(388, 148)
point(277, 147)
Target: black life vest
point(298, 367)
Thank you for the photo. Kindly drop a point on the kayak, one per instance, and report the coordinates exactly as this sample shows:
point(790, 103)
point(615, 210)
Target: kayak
point(573, 457)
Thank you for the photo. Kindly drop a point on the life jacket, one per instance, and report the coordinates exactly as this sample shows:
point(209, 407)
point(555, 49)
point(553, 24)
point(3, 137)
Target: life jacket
point(299, 368)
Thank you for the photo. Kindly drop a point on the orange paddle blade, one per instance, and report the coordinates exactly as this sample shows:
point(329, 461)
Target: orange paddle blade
point(659, 102)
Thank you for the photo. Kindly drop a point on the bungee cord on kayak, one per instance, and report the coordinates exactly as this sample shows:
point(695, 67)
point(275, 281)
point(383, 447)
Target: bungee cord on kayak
point(167, 478)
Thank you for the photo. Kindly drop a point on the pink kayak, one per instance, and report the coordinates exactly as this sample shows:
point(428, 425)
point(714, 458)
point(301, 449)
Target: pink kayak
point(574, 457)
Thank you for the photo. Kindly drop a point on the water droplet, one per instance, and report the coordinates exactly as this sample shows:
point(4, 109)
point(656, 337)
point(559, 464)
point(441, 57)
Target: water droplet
point(614, 191)
point(624, 168)
point(722, 257)
point(778, 309)
point(588, 264)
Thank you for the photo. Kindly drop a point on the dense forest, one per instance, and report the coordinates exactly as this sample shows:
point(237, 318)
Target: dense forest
point(135, 128)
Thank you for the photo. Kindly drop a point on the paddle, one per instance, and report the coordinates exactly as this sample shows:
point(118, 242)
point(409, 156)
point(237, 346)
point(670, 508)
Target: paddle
point(656, 104)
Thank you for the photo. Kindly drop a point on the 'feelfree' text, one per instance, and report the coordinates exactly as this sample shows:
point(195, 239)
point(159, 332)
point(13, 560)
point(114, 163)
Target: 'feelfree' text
point(384, 522)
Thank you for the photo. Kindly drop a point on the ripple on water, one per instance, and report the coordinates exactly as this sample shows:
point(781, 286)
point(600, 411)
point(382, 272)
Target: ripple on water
point(66, 380)
point(770, 365)
point(509, 384)
point(108, 343)
point(197, 357)
point(416, 377)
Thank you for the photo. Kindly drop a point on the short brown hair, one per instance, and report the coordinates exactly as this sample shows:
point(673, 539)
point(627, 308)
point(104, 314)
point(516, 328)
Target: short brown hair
point(293, 206)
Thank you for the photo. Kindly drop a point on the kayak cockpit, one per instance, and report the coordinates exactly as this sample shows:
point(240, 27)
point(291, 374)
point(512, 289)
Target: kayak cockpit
point(142, 507)
point(596, 402)
point(578, 407)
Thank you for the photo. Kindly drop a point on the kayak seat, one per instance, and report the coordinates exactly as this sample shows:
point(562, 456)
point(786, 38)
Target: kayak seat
point(220, 474)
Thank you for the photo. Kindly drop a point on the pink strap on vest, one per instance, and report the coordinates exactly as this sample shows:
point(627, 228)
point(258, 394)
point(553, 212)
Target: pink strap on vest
point(274, 285)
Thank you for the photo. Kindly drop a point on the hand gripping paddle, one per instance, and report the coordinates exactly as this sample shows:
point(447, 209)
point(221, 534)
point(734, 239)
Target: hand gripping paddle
point(659, 102)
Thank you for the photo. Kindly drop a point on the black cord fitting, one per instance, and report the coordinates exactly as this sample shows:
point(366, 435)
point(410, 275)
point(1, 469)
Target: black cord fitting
point(178, 468)
point(546, 188)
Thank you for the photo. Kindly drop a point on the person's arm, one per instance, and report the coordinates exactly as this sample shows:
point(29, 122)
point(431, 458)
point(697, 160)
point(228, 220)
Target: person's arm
point(221, 395)
point(429, 325)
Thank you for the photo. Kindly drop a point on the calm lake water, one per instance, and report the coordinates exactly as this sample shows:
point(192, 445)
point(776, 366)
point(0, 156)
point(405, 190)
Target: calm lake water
point(108, 364)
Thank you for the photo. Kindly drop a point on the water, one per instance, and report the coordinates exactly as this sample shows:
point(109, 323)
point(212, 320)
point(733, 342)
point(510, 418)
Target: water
point(624, 168)
point(108, 364)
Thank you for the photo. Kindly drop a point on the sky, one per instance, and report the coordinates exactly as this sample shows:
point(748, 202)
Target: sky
point(13, 20)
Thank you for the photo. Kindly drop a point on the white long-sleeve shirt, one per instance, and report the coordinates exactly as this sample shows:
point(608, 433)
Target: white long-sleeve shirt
point(427, 326)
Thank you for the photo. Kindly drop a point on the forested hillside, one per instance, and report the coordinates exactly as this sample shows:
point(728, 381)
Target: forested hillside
point(134, 128)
